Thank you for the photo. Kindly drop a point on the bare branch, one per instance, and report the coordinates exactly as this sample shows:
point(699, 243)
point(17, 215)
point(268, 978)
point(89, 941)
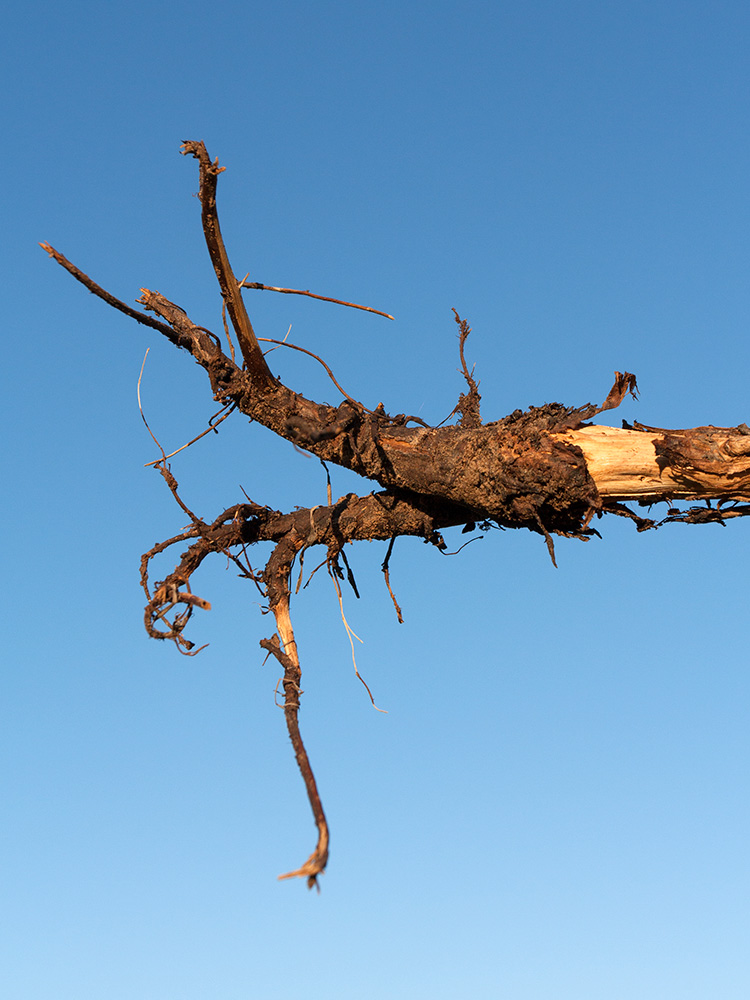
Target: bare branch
point(386, 573)
point(224, 412)
point(106, 296)
point(303, 350)
point(251, 352)
point(323, 298)
point(544, 469)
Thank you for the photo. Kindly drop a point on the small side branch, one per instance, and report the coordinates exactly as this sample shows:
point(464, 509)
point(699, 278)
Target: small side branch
point(322, 298)
point(107, 297)
point(224, 412)
point(386, 573)
point(468, 402)
point(303, 350)
point(230, 289)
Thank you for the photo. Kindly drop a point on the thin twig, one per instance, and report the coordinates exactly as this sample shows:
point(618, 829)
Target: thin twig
point(212, 427)
point(329, 492)
point(349, 573)
point(386, 574)
point(143, 416)
point(476, 538)
point(352, 635)
point(107, 296)
point(226, 329)
point(286, 335)
point(252, 573)
point(301, 568)
point(297, 291)
point(547, 537)
point(161, 464)
point(319, 566)
point(303, 350)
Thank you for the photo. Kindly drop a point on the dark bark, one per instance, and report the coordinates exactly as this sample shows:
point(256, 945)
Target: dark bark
point(538, 469)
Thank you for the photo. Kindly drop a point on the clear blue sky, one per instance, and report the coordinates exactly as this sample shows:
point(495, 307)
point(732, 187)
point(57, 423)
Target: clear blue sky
point(555, 806)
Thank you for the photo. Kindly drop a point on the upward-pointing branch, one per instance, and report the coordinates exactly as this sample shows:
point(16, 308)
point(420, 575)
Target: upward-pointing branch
point(230, 289)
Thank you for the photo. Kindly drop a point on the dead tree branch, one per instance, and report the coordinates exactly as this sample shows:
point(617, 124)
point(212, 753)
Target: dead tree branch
point(259, 372)
point(546, 469)
point(322, 298)
point(284, 647)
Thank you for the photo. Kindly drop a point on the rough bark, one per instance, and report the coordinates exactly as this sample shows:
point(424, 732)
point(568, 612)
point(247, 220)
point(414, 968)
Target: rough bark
point(546, 469)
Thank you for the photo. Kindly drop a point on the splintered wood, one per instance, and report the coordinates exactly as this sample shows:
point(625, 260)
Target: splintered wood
point(651, 464)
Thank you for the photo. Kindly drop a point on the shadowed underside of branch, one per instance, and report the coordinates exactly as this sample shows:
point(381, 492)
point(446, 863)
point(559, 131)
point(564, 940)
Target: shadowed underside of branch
point(546, 469)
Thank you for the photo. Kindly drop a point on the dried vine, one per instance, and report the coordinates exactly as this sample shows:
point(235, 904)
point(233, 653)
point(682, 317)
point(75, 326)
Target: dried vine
point(545, 469)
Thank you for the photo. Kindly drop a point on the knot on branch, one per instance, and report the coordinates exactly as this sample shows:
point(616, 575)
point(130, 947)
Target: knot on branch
point(273, 646)
point(303, 429)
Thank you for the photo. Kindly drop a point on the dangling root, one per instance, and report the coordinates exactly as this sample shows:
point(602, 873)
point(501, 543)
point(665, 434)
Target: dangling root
point(285, 652)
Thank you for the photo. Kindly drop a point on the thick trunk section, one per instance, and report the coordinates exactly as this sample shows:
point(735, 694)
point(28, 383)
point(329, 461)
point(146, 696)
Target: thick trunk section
point(649, 464)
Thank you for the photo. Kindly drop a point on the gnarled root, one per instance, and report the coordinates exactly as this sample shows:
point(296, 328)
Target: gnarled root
point(284, 648)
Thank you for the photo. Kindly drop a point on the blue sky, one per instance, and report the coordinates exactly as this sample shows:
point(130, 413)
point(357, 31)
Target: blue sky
point(555, 805)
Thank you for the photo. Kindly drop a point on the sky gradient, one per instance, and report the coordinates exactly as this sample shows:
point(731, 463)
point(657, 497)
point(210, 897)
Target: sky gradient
point(555, 805)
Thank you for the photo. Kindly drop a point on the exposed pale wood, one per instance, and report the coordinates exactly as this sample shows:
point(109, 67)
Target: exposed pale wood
point(544, 469)
point(653, 463)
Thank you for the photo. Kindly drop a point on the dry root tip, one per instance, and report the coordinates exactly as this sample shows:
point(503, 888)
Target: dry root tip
point(314, 866)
